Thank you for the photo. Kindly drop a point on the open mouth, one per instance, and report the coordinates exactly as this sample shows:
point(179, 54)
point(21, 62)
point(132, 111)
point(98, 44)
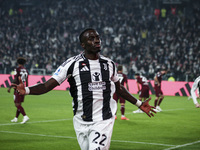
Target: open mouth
point(98, 46)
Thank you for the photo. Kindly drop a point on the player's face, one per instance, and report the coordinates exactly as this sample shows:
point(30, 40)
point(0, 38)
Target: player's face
point(91, 41)
point(136, 76)
point(164, 72)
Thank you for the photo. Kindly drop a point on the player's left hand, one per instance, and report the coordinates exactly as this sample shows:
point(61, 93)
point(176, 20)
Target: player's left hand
point(148, 109)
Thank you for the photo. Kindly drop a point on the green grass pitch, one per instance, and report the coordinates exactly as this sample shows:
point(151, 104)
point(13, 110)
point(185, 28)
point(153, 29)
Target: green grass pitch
point(50, 126)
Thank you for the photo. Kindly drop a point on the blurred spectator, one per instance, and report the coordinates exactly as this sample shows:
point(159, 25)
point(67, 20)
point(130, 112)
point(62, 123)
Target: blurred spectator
point(49, 68)
point(48, 30)
point(163, 12)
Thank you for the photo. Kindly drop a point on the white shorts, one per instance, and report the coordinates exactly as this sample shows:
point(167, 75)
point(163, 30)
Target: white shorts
point(94, 136)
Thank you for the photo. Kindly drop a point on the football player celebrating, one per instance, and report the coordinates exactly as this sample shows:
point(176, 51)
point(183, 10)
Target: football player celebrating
point(93, 80)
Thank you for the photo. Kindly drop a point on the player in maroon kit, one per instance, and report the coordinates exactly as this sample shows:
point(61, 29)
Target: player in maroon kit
point(143, 91)
point(123, 80)
point(157, 88)
point(18, 99)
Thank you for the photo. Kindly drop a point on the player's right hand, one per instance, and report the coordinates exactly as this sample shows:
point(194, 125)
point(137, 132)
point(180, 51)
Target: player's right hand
point(20, 87)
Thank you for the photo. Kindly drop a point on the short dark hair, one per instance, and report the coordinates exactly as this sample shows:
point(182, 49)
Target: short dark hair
point(163, 69)
point(21, 60)
point(137, 74)
point(81, 35)
point(119, 68)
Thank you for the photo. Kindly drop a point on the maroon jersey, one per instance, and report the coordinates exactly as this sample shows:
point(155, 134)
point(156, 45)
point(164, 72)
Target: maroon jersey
point(122, 78)
point(142, 80)
point(159, 77)
point(157, 88)
point(23, 72)
point(145, 86)
point(20, 71)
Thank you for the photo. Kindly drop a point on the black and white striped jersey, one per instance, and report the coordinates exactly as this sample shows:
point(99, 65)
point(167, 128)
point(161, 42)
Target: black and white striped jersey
point(91, 86)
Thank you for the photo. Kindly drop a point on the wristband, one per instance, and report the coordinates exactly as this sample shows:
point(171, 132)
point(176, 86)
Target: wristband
point(27, 90)
point(138, 103)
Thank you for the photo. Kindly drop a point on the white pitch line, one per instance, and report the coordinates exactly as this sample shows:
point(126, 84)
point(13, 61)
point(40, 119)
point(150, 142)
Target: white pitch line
point(65, 137)
point(166, 110)
point(141, 143)
point(7, 124)
point(174, 109)
point(68, 137)
point(178, 146)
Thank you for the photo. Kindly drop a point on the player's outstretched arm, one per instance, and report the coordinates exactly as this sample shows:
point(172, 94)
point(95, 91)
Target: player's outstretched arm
point(36, 89)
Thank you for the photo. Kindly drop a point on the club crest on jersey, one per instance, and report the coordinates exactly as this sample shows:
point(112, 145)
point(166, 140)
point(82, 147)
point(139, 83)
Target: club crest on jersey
point(105, 67)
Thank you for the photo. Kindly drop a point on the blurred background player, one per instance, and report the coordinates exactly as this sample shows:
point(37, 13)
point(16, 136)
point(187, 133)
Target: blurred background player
point(18, 99)
point(158, 90)
point(123, 80)
point(143, 91)
point(195, 86)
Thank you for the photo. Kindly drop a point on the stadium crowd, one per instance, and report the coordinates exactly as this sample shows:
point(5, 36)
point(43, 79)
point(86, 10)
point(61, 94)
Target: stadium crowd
point(47, 34)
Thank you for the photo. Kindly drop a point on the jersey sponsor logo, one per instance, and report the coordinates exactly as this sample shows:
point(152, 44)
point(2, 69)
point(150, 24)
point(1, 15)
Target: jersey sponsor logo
point(96, 86)
point(95, 76)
